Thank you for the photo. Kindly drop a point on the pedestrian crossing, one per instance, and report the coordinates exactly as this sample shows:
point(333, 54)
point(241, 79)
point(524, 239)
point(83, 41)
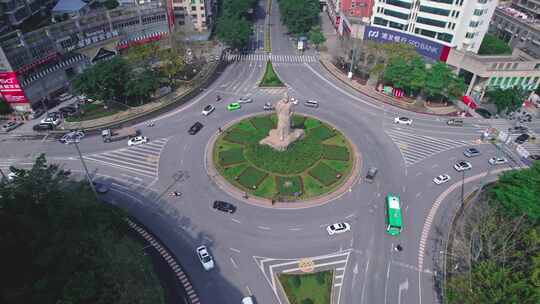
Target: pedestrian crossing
point(142, 159)
point(272, 57)
point(415, 148)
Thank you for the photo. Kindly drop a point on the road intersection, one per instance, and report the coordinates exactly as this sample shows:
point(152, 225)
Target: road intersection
point(255, 243)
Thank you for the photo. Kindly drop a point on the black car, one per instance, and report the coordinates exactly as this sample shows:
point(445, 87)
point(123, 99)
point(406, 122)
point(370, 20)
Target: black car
point(68, 110)
point(535, 157)
point(521, 139)
point(370, 176)
point(43, 127)
point(518, 129)
point(195, 128)
point(224, 206)
point(483, 112)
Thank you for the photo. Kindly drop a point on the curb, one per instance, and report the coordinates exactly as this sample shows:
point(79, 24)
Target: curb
point(171, 261)
point(324, 63)
point(223, 184)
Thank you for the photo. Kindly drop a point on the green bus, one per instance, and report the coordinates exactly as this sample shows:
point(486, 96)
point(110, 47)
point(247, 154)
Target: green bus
point(393, 215)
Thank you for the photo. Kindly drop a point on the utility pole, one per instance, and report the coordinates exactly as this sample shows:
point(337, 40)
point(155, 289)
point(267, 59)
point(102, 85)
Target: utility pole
point(352, 59)
point(88, 178)
point(463, 188)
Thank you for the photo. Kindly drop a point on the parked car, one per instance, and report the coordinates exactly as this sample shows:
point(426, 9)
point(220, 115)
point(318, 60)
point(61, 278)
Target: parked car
point(207, 110)
point(54, 114)
point(455, 122)
point(497, 161)
point(137, 140)
point(338, 228)
point(370, 176)
point(205, 258)
point(471, 152)
point(311, 103)
point(268, 107)
point(247, 300)
point(55, 121)
point(195, 128)
point(11, 125)
point(245, 100)
point(224, 206)
point(64, 96)
point(483, 112)
point(463, 166)
point(233, 106)
point(441, 179)
point(43, 127)
point(403, 121)
point(518, 129)
point(294, 101)
point(522, 138)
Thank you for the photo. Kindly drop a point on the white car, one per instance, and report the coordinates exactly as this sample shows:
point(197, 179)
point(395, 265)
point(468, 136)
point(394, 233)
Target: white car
point(208, 109)
point(441, 179)
point(245, 100)
point(294, 101)
point(338, 228)
point(497, 161)
point(205, 258)
point(11, 176)
point(462, 166)
point(403, 121)
point(55, 121)
point(138, 140)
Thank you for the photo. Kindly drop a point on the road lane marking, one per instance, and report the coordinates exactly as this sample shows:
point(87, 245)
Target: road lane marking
point(295, 229)
point(234, 263)
point(263, 227)
point(350, 215)
point(235, 250)
point(235, 220)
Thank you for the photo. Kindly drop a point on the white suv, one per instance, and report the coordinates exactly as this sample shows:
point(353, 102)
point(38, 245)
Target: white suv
point(497, 161)
point(403, 121)
point(208, 109)
point(462, 166)
point(338, 228)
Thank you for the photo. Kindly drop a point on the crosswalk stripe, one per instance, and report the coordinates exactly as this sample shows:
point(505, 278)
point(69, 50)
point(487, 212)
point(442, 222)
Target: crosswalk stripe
point(138, 171)
point(143, 165)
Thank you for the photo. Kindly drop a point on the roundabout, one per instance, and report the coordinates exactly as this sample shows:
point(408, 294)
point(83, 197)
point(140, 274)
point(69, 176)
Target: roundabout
point(313, 168)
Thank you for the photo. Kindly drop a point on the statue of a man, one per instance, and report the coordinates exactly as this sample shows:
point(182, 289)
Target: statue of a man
point(284, 114)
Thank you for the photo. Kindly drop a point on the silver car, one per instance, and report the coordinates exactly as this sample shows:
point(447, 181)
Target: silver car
point(11, 125)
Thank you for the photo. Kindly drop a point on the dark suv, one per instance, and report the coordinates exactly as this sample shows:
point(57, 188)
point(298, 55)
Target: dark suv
point(224, 206)
point(522, 138)
point(195, 128)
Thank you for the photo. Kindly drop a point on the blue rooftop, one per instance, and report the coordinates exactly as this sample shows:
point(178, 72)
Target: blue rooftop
point(68, 6)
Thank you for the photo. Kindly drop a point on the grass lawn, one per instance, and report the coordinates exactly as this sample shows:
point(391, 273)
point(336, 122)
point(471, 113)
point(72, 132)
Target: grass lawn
point(335, 152)
point(312, 187)
point(251, 178)
point(270, 78)
point(315, 286)
point(92, 111)
point(289, 185)
point(262, 123)
point(232, 156)
point(311, 123)
point(241, 137)
point(233, 172)
point(324, 174)
point(267, 187)
point(322, 132)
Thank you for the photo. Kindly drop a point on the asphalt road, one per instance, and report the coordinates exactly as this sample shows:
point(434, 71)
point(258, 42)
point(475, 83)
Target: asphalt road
point(255, 243)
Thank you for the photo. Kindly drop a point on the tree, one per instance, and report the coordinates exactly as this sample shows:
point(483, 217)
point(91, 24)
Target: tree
point(110, 4)
point(60, 245)
point(491, 45)
point(396, 72)
point(142, 54)
point(416, 78)
point(316, 36)
point(442, 82)
point(507, 100)
point(299, 15)
point(141, 86)
point(234, 31)
point(171, 64)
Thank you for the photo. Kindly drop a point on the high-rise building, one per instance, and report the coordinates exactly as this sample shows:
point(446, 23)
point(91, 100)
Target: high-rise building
point(14, 12)
point(194, 14)
point(531, 7)
point(357, 8)
point(459, 24)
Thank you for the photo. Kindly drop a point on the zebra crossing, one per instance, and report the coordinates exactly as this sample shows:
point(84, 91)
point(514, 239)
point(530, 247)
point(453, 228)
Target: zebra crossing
point(415, 148)
point(271, 57)
point(142, 160)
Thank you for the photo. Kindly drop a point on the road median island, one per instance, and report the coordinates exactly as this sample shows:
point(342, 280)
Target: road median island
point(308, 288)
point(270, 78)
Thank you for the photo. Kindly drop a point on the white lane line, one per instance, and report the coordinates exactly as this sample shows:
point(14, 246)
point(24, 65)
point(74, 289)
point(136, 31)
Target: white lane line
point(263, 227)
point(235, 220)
point(235, 250)
point(135, 170)
point(234, 263)
point(350, 215)
point(295, 229)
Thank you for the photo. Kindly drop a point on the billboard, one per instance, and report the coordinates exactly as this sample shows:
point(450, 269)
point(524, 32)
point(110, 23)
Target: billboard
point(424, 47)
point(10, 88)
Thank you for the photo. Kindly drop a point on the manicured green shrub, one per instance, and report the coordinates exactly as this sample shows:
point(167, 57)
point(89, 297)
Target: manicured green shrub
point(241, 137)
point(231, 156)
point(270, 78)
point(289, 185)
point(307, 301)
point(298, 121)
point(295, 281)
point(335, 152)
point(320, 277)
point(263, 123)
point(325, 174)
point(322, 132)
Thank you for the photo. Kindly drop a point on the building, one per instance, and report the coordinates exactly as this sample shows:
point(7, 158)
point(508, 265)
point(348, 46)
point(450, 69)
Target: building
point(357, 8)
point(459, 24)
point(530, 7)
point(194, 15)
point(65, 9)
point(517, 28)
point(14, 12)
point(40, 64)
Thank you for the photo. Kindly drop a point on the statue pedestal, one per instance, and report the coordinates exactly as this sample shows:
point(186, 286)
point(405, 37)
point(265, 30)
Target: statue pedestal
point(274, 140)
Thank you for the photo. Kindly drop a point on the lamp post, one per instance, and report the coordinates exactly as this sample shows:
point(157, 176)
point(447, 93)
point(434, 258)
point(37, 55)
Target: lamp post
point(462, 187)
point(352, 60)
point(74, 138)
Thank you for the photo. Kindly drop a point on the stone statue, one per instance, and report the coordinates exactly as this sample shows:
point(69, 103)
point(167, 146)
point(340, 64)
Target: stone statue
point(281, 137)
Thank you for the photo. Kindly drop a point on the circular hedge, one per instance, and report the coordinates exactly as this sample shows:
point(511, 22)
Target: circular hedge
point(312, 166)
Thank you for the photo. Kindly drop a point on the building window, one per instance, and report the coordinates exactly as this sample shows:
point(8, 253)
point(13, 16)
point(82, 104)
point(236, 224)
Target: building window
point(427, 33)
point(445, 37)
point(395, 25)
point(434, 10)
point(380, 21)
point(396, 14)
point(193, 8)
point(469, 35)
point(399, 3)
point(514, 66)
point(537, 66)
point(202, 8)
point(478, 12)
point(192, 1)
point(494, 66)
point(474, 23)
point(444, 1)
point(431, 22)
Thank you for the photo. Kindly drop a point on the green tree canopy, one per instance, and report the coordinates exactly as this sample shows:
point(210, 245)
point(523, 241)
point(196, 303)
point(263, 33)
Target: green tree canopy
point(442, 82)
point(4, 107)
point(491, 45)
point(396, 72)
point(171, 64)
point(142, 54)
point(507, 100)
point(299, 15)
point(416, 77)
point(234, 31)
point(316, 36)
point(60, 245)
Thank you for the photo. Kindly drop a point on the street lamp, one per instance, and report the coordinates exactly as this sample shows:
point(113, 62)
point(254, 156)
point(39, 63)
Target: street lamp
point(462, 186)
point(74, 138)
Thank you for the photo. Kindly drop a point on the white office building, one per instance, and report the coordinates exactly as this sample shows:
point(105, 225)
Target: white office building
point(454, 23)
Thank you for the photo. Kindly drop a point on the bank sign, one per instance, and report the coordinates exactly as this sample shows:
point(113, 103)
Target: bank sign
point(10, 88)
point(424, 47)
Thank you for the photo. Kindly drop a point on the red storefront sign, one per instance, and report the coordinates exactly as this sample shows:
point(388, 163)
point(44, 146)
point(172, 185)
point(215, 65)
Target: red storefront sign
point(10, 88)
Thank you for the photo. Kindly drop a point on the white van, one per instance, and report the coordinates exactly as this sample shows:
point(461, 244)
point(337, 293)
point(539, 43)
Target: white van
point(247, 300)
point(311, 103)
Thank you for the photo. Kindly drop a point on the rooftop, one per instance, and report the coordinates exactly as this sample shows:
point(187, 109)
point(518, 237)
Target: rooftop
point(69, 5)
point(519, 15)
